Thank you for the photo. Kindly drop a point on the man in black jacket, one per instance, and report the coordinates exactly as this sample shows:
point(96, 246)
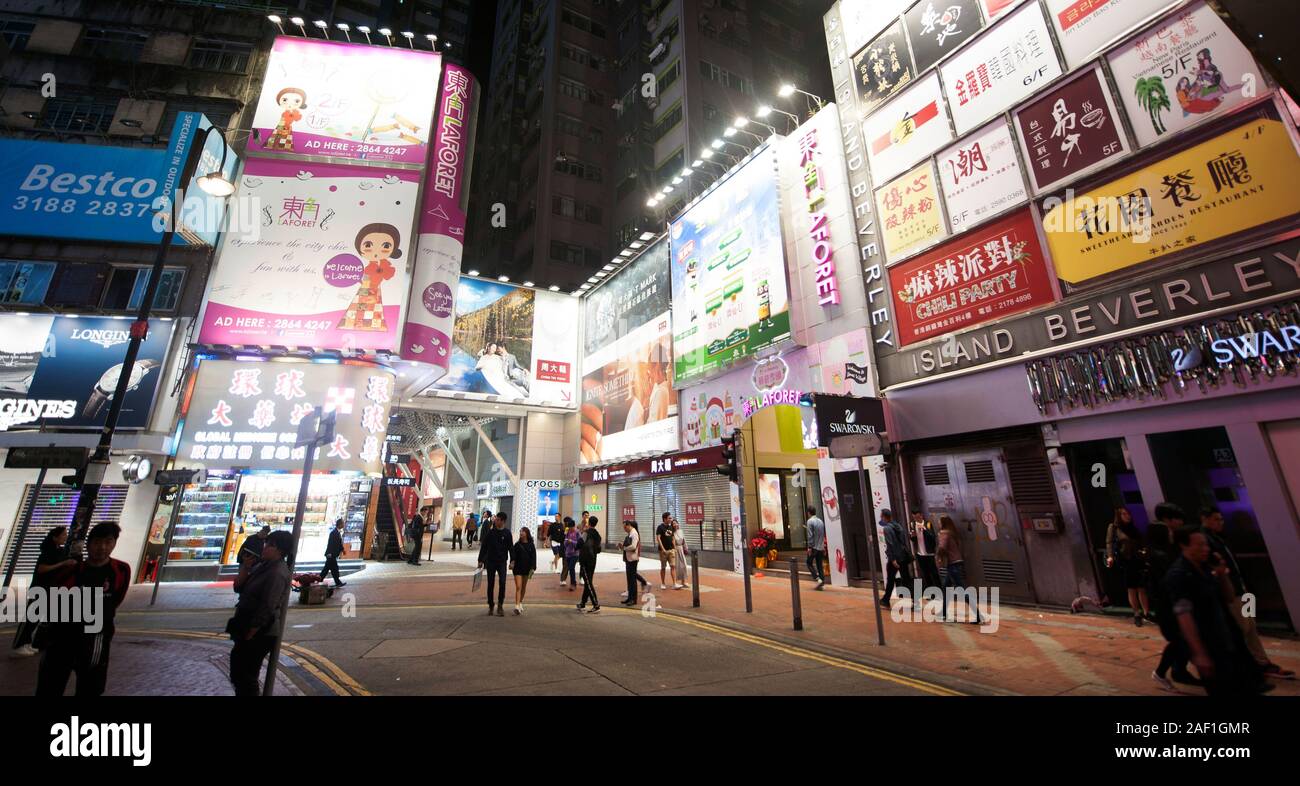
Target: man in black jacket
point(253, 545)
point(494, 556)
point(333, 550)
point(588, 550)
point(417, 537)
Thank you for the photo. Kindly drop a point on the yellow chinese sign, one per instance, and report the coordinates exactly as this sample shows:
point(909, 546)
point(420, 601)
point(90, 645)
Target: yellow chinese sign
point(1235, 181)
point(909, 212)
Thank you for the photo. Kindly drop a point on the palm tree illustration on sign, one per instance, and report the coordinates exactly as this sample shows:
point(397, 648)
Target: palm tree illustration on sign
point(1154, 99)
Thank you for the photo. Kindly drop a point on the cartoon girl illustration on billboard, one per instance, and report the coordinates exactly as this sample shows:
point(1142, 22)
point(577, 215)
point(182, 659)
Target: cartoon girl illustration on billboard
point(1203, 94)
point(292, 100)
point(377, 244)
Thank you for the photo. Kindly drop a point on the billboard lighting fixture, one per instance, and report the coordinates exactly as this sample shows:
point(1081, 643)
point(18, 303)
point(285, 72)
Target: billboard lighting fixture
point(717, 144)
point(503, 278)
point(323, 26)
point(554, 288)
point(387, 34)
point(668, 189)
point(651, 202)
point(677, 181)
point(730, 132)
point(366, 31)
point(635, 244)
point(275, 20)
point(625, 253)
point(647, 235)
point(528, 283)
point(471, 272)
point(409, 36)
point(687, 172)
point(600, 274)
point(297, 21)
point(343, 26)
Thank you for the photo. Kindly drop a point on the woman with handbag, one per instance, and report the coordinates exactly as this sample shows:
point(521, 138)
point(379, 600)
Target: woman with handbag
point(261, 587)
point(53, 556)
point(1125, 551)
point(523, 561)
point(948, 552)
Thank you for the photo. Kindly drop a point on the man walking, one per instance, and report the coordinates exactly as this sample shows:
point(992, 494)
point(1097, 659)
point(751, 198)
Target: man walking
point(1214, 642)
point(494, 556)
point(72, 647)
point(631, 558)
point(816, 547)
point(471, 528)
point(1222, 557)
point(667, 551)
point(588, 550)
point(898, 558)
point(333, 549)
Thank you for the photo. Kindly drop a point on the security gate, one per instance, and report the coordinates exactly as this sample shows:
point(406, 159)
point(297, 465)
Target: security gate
point(974, 490)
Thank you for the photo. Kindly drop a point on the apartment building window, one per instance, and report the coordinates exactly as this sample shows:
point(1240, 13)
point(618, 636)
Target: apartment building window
point(724, 77)
point(568, 207)
point(126, 285)
point(79, 113)
point(567, 124)
point(112, 42)
point(580, 91)
point(568, 165)
point(580, 56)
point(210, 54)
point(668, 122)
point(579, 256)
point(16, 32)
point(584, 23)
point(670, 75)
point(671, 167)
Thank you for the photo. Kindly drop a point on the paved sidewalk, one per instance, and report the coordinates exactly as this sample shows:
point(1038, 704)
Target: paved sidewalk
point(1031, 652)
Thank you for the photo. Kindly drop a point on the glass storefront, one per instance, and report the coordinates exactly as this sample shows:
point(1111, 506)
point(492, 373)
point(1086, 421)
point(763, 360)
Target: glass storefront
point(784, 496)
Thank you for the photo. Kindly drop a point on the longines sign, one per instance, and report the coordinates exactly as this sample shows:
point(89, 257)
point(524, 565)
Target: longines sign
point(1231, 281)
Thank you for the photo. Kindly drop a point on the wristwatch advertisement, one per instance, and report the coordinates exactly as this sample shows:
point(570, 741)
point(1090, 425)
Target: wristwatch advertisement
point(103, 391)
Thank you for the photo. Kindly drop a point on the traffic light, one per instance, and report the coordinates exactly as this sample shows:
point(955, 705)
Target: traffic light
point(729, 466)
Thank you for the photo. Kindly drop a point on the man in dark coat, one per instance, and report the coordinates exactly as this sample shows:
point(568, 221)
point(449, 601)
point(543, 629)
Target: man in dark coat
point(333, 550)
point(494, 556)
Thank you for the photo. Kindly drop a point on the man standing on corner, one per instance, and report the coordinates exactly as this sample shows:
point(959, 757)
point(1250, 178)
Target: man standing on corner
point(816, 547)
point(416, 528)
point(494, 556)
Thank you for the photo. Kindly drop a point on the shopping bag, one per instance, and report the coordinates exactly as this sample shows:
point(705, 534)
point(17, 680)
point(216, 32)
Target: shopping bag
point(478, 580)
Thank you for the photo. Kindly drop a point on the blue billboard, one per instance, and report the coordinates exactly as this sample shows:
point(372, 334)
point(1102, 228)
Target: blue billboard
point(96, 192)
point(61, 372)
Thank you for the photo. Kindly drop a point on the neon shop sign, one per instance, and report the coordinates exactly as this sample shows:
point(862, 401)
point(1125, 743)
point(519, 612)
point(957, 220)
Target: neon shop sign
point(828, 291)
point(771, 398)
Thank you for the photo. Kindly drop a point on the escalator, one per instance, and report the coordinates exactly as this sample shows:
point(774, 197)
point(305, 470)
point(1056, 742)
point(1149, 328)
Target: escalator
point(389, 528)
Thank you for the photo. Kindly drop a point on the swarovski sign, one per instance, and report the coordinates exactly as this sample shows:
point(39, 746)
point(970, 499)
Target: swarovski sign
point(839, 416)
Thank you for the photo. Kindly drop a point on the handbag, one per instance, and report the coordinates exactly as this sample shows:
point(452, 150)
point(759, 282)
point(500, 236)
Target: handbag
point(477, 580)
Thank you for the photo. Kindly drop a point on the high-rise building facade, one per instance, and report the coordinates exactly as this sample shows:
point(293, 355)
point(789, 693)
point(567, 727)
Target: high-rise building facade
point(595, 105)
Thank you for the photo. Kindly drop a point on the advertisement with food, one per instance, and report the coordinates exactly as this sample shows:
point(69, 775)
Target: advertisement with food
point(730, 294)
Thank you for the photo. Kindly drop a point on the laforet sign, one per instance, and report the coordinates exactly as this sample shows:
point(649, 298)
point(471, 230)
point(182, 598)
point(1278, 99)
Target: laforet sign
point(1173, 296)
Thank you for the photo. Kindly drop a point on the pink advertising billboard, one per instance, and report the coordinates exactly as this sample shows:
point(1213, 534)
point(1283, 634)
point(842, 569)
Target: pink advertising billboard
point(347, 101)
point(441, 242)
point(328, 266)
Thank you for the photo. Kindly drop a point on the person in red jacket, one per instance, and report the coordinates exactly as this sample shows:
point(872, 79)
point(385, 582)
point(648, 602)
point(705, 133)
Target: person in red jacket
point(82, 646)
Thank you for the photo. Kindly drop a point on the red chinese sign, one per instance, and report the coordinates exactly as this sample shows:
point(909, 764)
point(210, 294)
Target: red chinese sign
point(1070, 130)
point(629, 512)
point(694, 514)
point(553, 371)
point(996, 271)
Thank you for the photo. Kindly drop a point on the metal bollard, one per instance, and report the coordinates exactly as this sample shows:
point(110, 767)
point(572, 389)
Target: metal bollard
point(695, 579)
point(794, 594)
point(749, 595)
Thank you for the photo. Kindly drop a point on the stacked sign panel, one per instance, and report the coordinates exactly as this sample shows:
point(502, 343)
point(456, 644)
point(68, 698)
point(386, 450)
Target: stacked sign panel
point(730, 295)
point(628, 402)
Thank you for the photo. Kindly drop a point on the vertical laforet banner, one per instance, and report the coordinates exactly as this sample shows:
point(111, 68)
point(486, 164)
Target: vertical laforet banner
point(441, 242)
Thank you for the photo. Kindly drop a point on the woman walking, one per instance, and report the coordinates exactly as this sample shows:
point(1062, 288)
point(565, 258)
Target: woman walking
point(523, 561)
point(53, 556)
point(571, 550)
point(1124, 551)
point(949, 555)
point(679, 543)
point(261, 587)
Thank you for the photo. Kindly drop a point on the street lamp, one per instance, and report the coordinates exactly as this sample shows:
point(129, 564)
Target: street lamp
point(387, 34)
point(345, 28)
point(324, 27)
point(433, 41)
point(408, 35)
point(788, 90)
point(92, 472)
point(297, 20)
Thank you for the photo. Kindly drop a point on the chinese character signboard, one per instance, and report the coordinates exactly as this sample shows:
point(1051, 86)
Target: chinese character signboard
point(1182, 71)
point(909, 212)
point(862, 19)
point(246, 414)
point(328, 266)
point(937, 27)
point(883, 68)
point(1071, 130)
point(512, 344)
point(351, 101)
point(1085, 27)
point(981, 176)
point(1237, 180)
point(729, 293)
point(907, 129)
point(430, 319)
point(993, 272)
point(1007, 63)
point(628, 402)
